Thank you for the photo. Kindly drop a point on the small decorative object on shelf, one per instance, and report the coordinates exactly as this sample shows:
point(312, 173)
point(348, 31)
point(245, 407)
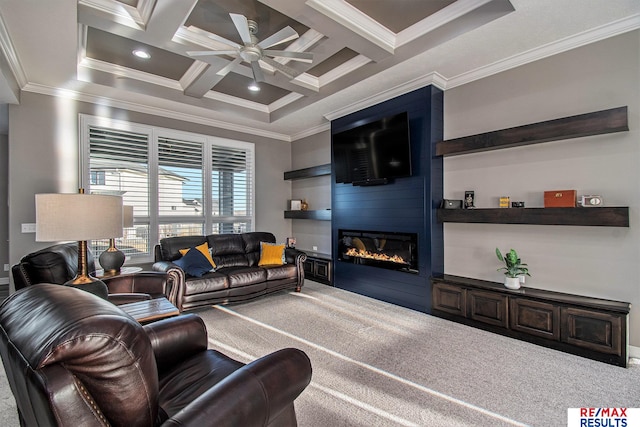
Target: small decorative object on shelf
point(590, 201)
point(295, 205)
point(451, 204)
point(560, 199)
point(504, 202)
point(291, 242)
point(517, 204)
point(304, 205)
point(469, 198)
point(514, 269)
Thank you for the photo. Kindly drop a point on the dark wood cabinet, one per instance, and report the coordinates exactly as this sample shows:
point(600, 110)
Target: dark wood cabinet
point(317, 267)
point(590, 327)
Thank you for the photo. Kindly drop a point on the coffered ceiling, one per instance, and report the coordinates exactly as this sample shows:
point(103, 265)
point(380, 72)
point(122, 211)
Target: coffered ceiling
point(362, 51)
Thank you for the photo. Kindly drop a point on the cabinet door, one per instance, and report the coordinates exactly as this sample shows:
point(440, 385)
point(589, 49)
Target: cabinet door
point(593, 330)
point(448, 298)
point(323, 270)
point(308, 267)
point(534, 318)
point(487, 307)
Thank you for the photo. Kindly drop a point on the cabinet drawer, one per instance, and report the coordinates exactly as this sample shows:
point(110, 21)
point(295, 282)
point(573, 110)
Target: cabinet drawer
point(593, 330)
point(308, 267)
point(535, 318)
point(450, 299)
point(487, 307)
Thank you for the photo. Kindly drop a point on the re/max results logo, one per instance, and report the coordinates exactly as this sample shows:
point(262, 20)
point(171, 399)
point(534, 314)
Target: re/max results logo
point(603, 417)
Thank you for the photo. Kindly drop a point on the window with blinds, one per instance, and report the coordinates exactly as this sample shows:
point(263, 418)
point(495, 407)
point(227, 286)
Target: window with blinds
point(178, 183)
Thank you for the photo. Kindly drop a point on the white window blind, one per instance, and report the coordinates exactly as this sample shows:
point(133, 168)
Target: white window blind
point(179, 183)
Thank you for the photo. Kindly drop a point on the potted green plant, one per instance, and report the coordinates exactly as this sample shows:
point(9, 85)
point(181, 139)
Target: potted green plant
point(513, 269)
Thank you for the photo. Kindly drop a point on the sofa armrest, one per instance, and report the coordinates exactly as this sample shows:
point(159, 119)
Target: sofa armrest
point(255, 394)
point(153, 283)
point(175, 278)
point(176, 338)
point(296, 257)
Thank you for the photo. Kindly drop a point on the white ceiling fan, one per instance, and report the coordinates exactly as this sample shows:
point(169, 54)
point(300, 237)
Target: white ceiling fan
point(254, 50)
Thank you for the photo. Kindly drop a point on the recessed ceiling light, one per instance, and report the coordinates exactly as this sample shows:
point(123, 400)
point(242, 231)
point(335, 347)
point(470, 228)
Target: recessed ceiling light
point(142, 54)
point(253, 87)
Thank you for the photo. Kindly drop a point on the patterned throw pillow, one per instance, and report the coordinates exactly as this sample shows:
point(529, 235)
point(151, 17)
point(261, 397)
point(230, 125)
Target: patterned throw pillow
point(271, 254)
point(194, 263)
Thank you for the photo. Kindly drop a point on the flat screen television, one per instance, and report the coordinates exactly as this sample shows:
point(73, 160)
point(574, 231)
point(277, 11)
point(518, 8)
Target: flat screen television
point(373, 153)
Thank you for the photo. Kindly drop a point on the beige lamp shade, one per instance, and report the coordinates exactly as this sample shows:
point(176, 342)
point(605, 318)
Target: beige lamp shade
point(127, 216)
point(64, 217)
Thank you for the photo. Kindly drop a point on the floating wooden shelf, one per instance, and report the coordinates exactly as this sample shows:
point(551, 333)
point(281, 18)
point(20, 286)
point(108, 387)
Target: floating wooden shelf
point(324, 215)
point(308, 172)
point(604, 216)
point(596, 123)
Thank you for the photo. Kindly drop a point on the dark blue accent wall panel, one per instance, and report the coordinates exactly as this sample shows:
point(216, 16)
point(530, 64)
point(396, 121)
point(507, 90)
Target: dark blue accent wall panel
point(405, 205)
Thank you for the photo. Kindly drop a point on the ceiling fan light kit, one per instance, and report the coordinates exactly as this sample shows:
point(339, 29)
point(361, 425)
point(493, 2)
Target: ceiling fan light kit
point(253, 51)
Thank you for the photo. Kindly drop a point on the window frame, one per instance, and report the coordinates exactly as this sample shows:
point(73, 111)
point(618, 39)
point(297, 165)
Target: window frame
point(154, 134)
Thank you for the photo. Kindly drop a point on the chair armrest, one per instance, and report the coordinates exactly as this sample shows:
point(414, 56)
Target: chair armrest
point(255, 394)
point(176, 338)
point(153, 283)
point(126, 298)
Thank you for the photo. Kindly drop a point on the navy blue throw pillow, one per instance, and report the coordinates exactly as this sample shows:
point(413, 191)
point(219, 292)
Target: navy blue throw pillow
point(194, 263)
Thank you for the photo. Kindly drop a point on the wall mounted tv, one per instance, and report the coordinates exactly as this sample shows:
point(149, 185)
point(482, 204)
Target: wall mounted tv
point(373, 153)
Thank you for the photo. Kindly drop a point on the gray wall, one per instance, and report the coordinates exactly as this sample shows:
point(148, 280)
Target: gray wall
point(43, 157)
point(307, 152)
point(4, 207)
point(594, 261)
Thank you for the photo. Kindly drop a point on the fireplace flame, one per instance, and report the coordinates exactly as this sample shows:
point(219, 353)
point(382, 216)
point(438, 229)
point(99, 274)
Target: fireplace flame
point(374, 255)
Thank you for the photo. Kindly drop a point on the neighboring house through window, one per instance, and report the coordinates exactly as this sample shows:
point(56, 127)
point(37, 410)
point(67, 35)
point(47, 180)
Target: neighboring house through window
point(178, 183)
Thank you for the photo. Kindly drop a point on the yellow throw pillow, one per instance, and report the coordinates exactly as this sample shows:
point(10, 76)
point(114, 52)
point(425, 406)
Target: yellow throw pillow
point(271, 254)
point(204, 248)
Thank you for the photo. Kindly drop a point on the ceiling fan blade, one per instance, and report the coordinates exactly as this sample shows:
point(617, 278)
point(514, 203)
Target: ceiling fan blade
point(295, 56)
point(240, 21)
point(258, 76)
point(210, 52)
point(225, 70)
point(215, 37)
point(287, 71)
point(284, 35)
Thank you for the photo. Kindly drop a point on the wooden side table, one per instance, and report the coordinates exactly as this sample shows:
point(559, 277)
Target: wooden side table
point(150, 310)
point(124, 270)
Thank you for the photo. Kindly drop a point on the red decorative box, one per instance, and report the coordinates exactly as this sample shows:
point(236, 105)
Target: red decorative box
point(560, 199)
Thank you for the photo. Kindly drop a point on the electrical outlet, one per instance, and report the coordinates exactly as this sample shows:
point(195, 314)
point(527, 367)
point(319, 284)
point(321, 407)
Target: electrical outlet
point(6, 267)
point(315, 248)
point(29, 228)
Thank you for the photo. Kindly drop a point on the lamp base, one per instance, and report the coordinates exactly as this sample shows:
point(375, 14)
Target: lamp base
point(89, 284)
point(112, 259)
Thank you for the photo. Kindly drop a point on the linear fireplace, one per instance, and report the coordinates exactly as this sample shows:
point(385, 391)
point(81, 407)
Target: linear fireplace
point(390, 250)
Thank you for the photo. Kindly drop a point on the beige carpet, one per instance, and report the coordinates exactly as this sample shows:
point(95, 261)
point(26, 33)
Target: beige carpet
point(377, 364)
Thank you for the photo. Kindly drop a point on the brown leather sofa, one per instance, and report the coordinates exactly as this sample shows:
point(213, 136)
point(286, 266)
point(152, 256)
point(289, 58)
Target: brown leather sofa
point(237, 277)
point(73, 359)
point(59, 264)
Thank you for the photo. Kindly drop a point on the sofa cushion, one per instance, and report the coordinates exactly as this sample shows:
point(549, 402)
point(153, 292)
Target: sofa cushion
point(194, 263)
point(204, 249)
point(210, 282)
point(279, 272)
point(243, 276)
point(271, 254)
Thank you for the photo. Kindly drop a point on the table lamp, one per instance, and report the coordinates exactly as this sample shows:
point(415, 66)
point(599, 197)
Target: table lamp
point(113, 258)
point(80, 217)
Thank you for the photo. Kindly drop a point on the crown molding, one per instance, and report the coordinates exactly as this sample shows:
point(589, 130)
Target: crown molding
point(602, 32)
point(122, 13)
point(420, 82)
point(11, 56)
point(163, 108)
point(311, 131)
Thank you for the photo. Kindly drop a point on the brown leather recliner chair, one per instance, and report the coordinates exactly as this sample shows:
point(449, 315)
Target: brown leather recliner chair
point(74, 359)
point(59, 264)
